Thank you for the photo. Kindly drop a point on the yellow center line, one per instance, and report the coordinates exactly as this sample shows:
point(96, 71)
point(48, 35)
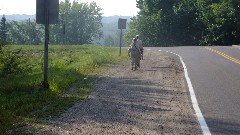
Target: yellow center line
point(224, 55)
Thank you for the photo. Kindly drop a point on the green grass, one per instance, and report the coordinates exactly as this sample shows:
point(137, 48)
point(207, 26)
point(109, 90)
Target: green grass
point(22, 100)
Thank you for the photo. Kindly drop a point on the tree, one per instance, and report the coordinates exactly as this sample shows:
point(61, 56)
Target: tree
point(35, 33)
point(79, 23)
point(17, 33)
point(133, 30)
point(221, 20)
point(24, 32)
point(187, 22)
point(3, 31)
point(109, 41)
point(157, 19)
point(61, 31)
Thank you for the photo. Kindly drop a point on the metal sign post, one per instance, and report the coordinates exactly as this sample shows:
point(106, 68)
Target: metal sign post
point(45, 81)
point(120, 43)
point(121, 25)
point(46, 13)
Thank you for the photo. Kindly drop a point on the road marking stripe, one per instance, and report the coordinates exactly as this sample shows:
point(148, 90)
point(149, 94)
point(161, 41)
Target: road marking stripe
point(224, 55)
point(198, 112)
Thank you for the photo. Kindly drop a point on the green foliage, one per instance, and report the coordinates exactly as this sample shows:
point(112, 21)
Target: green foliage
point(13, 62)
point(187, 22)
point(3, 32)
point(22, 99)
point(79, 23)
point(111, 33)
point(132, 31)
point(25, 32)
point(221, 21)
point(109, 41)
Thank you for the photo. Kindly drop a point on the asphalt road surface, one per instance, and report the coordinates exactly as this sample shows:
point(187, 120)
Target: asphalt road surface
point(215, 76)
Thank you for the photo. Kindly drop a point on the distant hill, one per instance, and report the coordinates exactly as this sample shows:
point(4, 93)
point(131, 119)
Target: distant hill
point(19, 17)
point(105, 19)
point(114, 19)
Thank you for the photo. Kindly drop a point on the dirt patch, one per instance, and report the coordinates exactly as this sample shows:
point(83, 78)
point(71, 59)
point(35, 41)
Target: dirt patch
point(151, 100)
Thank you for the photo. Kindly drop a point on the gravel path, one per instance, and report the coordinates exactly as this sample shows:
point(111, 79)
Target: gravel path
point(151, 100)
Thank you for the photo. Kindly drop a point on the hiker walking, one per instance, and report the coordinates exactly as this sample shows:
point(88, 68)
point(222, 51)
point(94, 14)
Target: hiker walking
point(139, 44)
point(134, 54)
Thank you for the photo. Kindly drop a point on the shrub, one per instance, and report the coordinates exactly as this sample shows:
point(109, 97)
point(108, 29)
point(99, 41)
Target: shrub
point(13, 62)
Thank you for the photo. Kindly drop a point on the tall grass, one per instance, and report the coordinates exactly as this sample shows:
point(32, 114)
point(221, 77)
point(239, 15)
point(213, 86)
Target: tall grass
point(21, 97)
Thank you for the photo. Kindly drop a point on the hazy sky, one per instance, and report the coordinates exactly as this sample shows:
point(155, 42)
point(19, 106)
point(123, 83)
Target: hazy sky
point(110, 7)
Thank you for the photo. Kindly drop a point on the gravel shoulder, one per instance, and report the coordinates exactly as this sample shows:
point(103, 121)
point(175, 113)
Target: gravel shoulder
point(151, 100)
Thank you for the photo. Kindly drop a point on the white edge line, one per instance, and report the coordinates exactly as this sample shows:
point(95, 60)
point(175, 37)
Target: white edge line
point(198, 112)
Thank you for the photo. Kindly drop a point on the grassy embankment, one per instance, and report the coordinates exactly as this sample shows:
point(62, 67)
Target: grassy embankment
point(22, 100)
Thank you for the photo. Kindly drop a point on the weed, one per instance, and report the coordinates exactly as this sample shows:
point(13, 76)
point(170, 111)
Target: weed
point(22, 100)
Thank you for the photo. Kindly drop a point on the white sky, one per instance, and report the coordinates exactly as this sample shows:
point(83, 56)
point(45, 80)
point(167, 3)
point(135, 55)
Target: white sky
point(110, 7)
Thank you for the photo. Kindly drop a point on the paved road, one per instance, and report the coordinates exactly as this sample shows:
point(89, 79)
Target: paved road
point(216, 81)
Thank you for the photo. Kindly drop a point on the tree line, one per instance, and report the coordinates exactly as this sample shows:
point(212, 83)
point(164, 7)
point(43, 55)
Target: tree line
point(79, 23)
point(186, 22)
